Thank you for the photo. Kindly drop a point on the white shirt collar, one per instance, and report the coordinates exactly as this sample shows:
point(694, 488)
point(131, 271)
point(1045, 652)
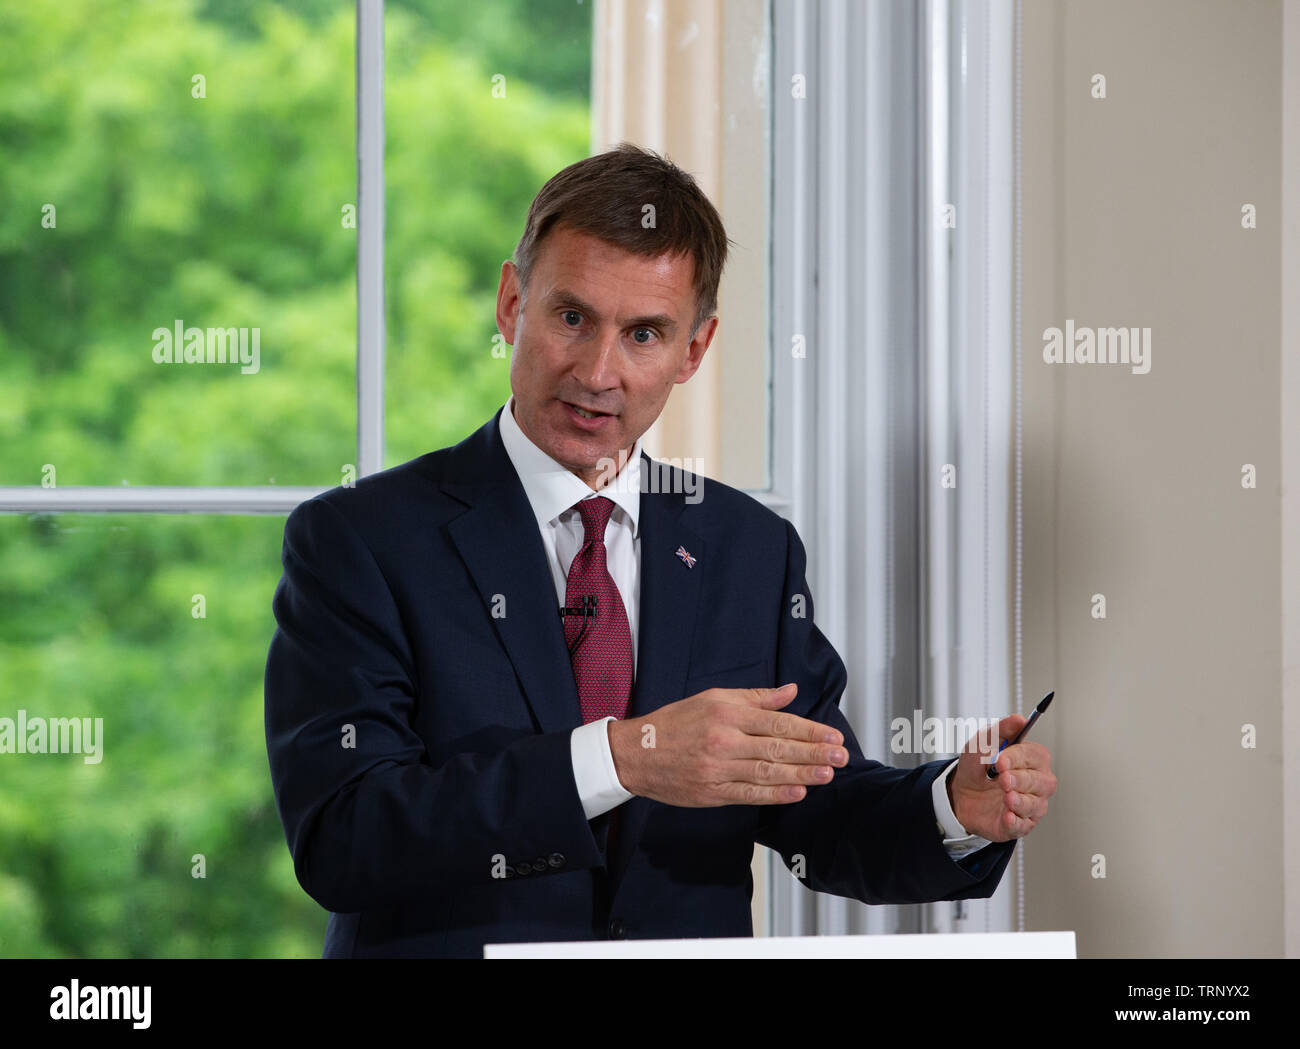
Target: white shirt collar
point(552, 488)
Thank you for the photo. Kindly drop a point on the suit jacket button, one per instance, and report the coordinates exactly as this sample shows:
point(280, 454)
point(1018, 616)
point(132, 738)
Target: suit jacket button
point(555, 859)
point(616, 929)
point(539, 864)
point(523, 868)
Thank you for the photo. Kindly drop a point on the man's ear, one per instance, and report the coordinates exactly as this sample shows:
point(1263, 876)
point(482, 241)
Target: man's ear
point(508, 302)
point(695, 351)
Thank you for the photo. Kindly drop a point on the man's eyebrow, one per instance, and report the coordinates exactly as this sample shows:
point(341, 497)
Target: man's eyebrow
point(560, 297)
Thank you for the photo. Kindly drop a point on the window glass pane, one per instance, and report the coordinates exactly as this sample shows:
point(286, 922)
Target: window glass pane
point(179, 184)
point(156, 629)
point(484, 102)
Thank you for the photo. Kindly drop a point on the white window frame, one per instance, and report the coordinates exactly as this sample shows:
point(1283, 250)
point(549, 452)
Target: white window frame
point(281, 499)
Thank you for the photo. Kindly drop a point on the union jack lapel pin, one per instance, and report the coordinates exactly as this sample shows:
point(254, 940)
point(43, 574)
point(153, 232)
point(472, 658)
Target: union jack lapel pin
point(687, 558)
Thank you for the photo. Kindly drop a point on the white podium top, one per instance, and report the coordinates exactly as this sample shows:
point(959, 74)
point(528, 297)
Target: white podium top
point(931, 945)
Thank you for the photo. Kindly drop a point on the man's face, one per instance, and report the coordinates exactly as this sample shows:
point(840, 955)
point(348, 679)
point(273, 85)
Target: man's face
point(602, 330)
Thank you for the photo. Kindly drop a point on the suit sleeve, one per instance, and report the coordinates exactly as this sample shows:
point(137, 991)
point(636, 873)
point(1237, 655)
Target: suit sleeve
point(870, 834)
point(369, 820)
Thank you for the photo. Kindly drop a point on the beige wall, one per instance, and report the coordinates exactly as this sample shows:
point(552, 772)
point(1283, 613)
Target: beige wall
point(1132, 482)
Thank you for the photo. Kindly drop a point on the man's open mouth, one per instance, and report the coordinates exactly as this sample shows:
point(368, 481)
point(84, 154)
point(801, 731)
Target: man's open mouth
point(586, 414)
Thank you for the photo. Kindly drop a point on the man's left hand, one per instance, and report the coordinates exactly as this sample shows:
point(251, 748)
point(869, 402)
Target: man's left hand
point(1010, 805)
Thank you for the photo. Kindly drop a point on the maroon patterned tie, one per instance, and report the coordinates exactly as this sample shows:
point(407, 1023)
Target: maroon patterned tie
point(599, 639)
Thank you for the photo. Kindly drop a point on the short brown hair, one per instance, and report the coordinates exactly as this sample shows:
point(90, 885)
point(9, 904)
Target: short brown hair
point(605, 196)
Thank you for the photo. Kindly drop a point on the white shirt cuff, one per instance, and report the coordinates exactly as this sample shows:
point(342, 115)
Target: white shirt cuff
point(956, 840)
point(593, 769)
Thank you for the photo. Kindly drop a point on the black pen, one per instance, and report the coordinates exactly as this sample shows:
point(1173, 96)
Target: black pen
point(1047, 699)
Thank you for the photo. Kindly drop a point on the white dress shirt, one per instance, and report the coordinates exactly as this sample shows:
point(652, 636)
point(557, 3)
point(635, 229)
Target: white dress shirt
point(552, 490)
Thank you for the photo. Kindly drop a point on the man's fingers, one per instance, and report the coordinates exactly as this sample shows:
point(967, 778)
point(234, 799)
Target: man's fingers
point(743, 748)
point(763, 718)
point(767, 698)
point(1026, 806)
point(774, 773)
point(1016, 826)
point(782, 750)
point(790, 726)
point(766, 719)
point(1029, 781)
point(758, 794)
point(769, 782)
point(1010, 725)
point(1024, 755)
point(987, 741)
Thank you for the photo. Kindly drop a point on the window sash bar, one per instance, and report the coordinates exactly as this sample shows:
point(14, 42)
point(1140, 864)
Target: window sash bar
point(370, 236)
point(181, 499)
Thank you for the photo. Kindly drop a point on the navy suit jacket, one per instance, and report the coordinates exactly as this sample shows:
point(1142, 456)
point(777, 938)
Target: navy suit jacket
point(419, 703)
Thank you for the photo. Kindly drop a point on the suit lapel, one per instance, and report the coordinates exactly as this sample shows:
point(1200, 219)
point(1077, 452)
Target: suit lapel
point(670, 593)
point(498, 540)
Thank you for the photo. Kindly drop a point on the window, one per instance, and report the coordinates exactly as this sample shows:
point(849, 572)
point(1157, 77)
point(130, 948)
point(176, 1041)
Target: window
point(189, 325)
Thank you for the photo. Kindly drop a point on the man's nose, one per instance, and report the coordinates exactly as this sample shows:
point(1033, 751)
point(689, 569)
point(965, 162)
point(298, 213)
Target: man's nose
point(597, 364)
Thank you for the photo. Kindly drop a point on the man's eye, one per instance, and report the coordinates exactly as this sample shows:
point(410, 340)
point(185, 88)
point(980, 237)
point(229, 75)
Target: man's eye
point(571, 317)
point(648, 331)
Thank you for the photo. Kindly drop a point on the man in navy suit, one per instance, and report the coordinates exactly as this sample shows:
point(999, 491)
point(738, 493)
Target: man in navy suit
point(537, 687)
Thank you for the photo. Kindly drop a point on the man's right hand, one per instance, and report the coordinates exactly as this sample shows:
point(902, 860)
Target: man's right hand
point(725, 746)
